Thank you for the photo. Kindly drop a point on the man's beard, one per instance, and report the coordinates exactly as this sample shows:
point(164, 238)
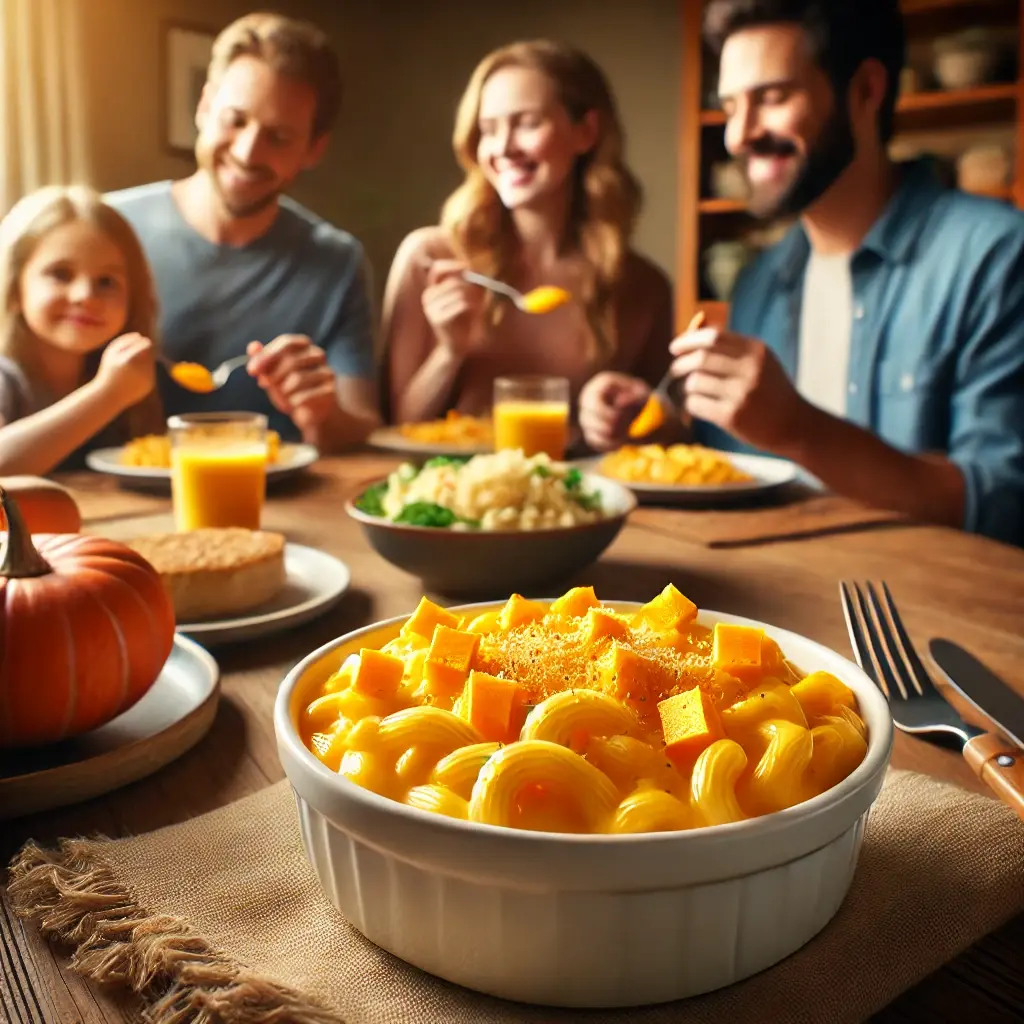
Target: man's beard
point(831, 154)
point(207, 161)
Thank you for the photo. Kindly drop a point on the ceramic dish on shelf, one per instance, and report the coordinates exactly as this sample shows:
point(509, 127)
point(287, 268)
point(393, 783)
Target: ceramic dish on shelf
point(314, 581)
point(292, 459)
point(174, 714)
point(767, 476)
point(581, 920)
point(482, 562)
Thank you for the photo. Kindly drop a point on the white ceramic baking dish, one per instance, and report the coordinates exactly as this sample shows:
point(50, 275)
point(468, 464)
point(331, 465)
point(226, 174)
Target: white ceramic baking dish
point(581, 921)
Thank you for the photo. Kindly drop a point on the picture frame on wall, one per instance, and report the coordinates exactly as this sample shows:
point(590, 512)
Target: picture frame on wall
point(186, 56)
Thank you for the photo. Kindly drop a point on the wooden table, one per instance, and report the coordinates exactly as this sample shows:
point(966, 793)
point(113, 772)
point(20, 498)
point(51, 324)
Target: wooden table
point(959, 586)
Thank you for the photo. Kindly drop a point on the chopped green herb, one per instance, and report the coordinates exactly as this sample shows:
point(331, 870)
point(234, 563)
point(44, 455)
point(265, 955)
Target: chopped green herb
point(541, 471)
point(426, 513)
point(371, 501)
point(446, 460)
point(572, 479)
point(591, 501)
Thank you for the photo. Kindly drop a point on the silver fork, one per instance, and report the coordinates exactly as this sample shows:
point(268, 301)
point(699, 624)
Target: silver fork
point(885, 652)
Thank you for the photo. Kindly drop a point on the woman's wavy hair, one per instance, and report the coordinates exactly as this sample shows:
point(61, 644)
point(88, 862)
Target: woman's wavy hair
point(606, 196)
point(29, 220)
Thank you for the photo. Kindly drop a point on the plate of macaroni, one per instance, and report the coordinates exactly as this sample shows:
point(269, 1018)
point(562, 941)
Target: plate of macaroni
point(689, 474)
point(146, 461)
point(470, 525)
point(455, 434)
point(644, 802)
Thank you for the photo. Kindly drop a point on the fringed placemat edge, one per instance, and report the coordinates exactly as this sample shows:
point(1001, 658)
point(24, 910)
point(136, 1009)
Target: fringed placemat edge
point(71, 894)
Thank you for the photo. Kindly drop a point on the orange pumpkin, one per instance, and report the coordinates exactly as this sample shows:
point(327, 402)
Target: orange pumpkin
point(45, 506)
point(85, 628)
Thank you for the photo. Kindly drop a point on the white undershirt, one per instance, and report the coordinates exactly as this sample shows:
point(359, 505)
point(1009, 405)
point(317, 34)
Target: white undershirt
point(826, 323)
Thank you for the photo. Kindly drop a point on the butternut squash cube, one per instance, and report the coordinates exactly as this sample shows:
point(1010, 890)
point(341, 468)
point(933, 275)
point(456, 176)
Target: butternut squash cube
point(427, 617)
point(737, 649)
point(378, 675)
point(448, 660)
point(573, 604)
point(519, 611)
point(668, 611)
point(489, 703)
point(600, 624)
point(690, 722)
point(821, 693)
point(625, 674)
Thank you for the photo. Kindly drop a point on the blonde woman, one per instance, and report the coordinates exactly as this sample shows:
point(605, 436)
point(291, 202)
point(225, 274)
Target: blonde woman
point(77, 358)
point(547, 200)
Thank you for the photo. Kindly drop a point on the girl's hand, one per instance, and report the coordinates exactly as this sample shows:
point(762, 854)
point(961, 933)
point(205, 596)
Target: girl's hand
point(454, 308)
point(127, 369)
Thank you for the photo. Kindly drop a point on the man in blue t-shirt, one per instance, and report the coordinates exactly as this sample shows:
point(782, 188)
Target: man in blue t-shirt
point(242, 269)
point(880, 344)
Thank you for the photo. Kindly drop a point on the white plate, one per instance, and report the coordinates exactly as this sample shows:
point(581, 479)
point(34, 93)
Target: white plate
point(293, 458)
point(391, 439)
point(174, 715)
point(768, 475)
point(315, 580)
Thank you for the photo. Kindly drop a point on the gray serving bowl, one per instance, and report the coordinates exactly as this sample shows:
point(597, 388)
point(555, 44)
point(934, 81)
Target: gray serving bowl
point(485, 562)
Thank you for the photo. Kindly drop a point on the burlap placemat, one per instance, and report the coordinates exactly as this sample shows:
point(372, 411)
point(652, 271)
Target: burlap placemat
point(221, 918)
point(811, 516)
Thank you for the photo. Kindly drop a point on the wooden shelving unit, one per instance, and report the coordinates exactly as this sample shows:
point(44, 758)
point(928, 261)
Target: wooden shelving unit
point(704, 218)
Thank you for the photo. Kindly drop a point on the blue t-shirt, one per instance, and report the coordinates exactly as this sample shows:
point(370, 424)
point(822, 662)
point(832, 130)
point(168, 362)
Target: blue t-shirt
point(303, 276)
point(937, 343)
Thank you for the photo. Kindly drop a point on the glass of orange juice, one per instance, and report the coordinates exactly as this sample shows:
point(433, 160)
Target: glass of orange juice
point(218, 469)
point(532, 413)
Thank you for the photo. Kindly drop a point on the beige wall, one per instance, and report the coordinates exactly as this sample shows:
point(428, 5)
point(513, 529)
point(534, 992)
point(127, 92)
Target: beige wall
point(390, 164)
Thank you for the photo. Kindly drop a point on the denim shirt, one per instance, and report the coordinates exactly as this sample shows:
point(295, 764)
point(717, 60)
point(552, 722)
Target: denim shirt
point(937, 346)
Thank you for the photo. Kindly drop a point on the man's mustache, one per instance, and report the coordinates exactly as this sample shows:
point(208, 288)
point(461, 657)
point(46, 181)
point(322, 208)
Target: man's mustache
point(770, 145)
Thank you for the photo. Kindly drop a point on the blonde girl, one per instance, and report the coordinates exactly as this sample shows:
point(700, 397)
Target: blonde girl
point(76, 327)
point(547, 200)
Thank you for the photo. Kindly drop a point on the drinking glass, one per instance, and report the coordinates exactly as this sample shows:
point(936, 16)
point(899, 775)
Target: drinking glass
point(218, 469)
point(532, 413)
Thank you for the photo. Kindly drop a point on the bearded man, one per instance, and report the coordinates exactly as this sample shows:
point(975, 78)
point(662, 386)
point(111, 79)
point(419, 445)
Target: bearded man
point(880, 344)
point(241, 269)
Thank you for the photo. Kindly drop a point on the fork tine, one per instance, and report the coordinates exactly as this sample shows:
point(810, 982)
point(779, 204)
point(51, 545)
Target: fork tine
point(861, 633)
point(891, 645)
point(861, 648)
point(877, 630)
point(915, 670)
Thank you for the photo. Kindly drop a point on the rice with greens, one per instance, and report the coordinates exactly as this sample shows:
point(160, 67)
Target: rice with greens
point(503, 491)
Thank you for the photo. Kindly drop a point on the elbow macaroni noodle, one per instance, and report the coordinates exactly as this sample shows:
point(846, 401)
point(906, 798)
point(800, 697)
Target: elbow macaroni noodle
point(575, 717)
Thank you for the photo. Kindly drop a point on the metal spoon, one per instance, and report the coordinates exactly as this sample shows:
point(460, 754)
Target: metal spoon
point(218, 377)
point(537, 300)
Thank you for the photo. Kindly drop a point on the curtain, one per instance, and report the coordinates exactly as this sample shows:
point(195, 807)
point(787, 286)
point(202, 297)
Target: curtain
point(43, 134)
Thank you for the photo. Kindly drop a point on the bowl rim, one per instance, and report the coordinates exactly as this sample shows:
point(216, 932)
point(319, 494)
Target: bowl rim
point(873, 764)
point(628, 498)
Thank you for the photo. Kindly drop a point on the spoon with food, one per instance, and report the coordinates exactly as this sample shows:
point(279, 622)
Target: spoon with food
point(652, 415)
point(196, 377)
point(544, 299)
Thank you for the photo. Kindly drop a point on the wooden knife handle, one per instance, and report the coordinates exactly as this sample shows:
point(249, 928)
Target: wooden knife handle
point(1000, 765)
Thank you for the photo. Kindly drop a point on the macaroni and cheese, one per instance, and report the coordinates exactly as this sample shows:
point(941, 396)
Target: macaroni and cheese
point(576, 717)
point(687, 465)
point(455, 429)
